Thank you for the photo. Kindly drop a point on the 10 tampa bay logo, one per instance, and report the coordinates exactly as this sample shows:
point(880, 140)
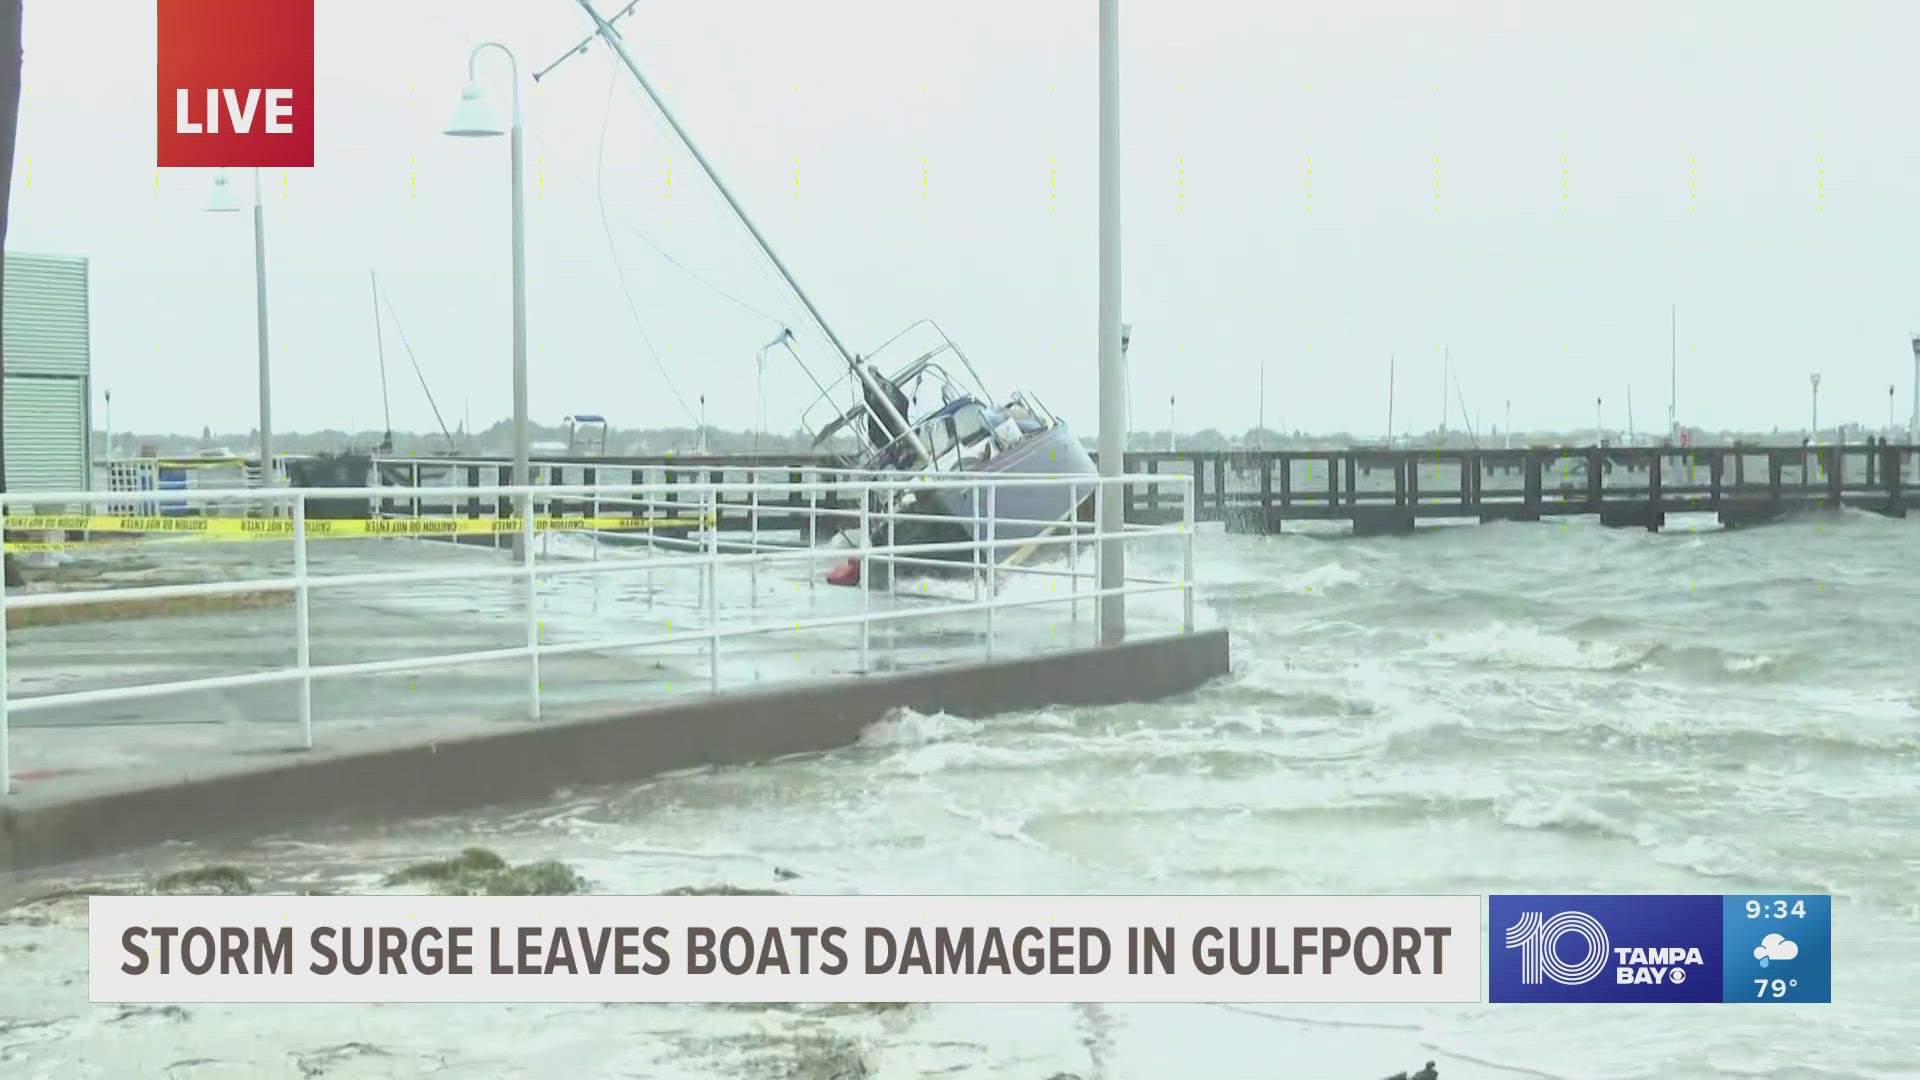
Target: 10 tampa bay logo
point(1604, 948)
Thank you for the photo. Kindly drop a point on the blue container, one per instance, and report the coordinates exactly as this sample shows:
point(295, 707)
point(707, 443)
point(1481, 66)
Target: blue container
point(173, 479)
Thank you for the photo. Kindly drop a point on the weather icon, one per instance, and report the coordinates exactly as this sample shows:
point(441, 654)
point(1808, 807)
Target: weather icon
point(1774, 947)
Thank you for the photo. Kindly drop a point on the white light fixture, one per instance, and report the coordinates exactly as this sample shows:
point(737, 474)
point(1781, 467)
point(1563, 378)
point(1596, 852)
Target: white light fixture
point(223, 199)
point(474, 117)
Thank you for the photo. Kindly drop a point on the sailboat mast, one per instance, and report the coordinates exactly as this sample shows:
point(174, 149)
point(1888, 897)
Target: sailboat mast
point(1389, 401)
point(874, 393)
point(1673, 372)
point(380, 349)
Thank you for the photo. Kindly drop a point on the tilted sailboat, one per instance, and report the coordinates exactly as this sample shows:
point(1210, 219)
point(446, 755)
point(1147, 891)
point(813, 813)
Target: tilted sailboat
point(915, 406)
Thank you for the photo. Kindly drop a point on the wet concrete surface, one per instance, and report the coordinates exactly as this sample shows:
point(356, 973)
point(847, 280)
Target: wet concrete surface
point(69, 749)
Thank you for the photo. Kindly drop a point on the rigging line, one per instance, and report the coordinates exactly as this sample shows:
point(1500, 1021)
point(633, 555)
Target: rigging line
point(416, 368)
point(600, 196)
point(1465, 420)
point(799, 326)
point(775, 320)
point(784, 323)
point(559, 162)
point(761, 258)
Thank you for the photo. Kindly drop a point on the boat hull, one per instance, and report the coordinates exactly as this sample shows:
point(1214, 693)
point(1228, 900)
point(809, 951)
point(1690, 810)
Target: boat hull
point(1020, 513)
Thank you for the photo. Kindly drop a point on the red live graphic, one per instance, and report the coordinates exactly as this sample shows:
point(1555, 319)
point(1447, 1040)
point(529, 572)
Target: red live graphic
point(235, 83)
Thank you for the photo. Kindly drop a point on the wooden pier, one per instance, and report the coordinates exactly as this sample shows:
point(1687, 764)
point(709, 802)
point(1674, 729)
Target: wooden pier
point(1374, 489)
point(1387, 491)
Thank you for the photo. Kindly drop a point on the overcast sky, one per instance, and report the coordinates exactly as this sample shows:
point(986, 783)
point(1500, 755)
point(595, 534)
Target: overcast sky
point(1309, 187)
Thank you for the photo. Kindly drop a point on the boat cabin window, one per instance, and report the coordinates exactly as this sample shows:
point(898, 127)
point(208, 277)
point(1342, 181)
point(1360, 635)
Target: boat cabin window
point(940, 440)
point(970, 423)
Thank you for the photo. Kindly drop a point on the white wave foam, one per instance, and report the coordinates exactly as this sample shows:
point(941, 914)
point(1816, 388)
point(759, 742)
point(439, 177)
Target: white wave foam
point(1747, 665)
point(935, 757)
point(1319, 580)
point(1530, 646)
point(1566, 813)
point(905, 727)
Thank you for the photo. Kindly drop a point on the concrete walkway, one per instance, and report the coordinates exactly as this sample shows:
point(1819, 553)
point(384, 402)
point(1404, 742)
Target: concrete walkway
point(239, 748)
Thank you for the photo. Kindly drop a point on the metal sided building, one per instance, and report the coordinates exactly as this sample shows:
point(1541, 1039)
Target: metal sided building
point(48, 373)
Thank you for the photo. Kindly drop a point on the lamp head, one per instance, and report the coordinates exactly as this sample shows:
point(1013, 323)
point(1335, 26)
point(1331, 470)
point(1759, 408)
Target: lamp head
point(474, 117)
point(223, 198)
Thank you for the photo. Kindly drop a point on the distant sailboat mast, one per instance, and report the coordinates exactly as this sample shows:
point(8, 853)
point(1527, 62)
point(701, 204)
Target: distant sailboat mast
point(1673, 374)
point(380, 350)
point(1389, 400)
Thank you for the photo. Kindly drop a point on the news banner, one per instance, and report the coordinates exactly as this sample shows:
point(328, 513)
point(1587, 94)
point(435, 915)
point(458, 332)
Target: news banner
point(1441, 949)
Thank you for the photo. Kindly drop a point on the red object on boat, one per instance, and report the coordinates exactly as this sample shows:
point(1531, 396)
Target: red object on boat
point(847, 573)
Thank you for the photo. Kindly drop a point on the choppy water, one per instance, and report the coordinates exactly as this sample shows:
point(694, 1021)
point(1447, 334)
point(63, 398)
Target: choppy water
point(1505, 708)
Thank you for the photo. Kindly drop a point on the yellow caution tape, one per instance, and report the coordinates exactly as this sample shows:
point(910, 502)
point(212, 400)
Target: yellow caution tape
point(72, 545)
point(320, 529)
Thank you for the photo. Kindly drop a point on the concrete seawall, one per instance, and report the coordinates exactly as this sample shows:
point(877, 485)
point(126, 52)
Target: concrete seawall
point(501, 763)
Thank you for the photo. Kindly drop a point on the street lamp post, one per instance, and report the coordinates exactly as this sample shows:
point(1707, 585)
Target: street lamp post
point(224, 199)
point(1111, 335)
point(1814, 434)
point(1913, 418)
point(475, 118)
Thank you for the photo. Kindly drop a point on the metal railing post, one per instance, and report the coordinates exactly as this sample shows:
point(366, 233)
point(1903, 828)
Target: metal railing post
point(866, 578)
point(546, 535)
point(713, 588)
point(974, 522)
point(993, 562)
point(1186, 574)
point(653, 536)
point(6, 693)
point(1099, 534)
point(813, 523)
point(594, 539)
point(302, 615)
point(1073, 559)
point(533, 611)
point(753, 539)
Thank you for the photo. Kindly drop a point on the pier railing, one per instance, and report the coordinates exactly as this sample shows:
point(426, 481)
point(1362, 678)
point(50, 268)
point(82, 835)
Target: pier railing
point(667, 528)
point(1374, 488)
point(1386, 490)
point(807, 494)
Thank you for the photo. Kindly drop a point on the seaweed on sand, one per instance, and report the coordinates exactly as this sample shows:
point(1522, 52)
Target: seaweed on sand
point(479, 872)
point(206, 880)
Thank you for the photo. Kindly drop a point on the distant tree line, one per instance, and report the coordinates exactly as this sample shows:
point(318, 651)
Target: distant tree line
point(492, 441)
point(496, 440)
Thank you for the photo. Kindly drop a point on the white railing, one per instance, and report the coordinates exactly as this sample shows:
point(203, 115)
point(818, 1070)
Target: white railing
point(145, 486)
point(704, 555)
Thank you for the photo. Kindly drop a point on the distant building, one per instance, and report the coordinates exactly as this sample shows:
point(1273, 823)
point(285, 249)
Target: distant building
point(48, 373)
